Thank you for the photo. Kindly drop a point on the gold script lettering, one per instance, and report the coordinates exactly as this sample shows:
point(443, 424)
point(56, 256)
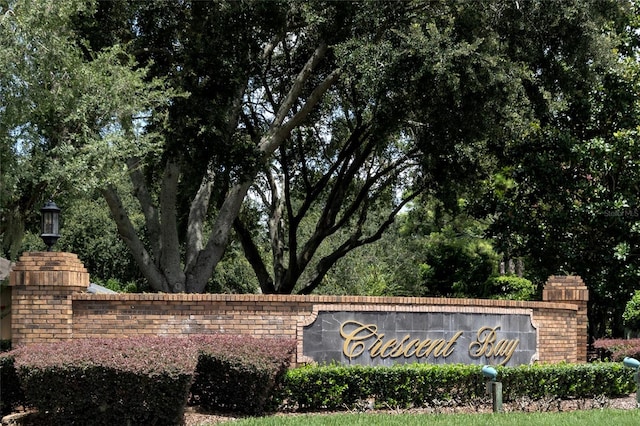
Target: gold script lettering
point(400, 348)
point(486, 345)
point(411, 348)
point(387, 348)
point(355, 343)
point(448, 349)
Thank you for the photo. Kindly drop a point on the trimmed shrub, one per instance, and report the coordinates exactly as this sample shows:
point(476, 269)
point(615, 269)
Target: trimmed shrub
point(402, 386)
point(617, 349)
point(148, 380)
point(239, 373)
point(566, 381)
point(509, 287)
point(423, 385)
point(11, 395)
point(108, 381)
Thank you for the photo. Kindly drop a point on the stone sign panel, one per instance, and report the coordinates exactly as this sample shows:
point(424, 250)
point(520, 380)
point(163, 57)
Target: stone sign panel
point(386, 338)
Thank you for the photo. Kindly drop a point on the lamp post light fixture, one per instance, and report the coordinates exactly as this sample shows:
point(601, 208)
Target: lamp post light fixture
point(50, 224)
point(494, 388)
point(635, 365)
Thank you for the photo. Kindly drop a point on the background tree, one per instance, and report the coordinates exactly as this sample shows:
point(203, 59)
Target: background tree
point(158, 179)
point(335, 114)
point(566, 196)
point(458, 89)
point(211, 51)
point(423, 87)
point(426, 252)
point(63, 117)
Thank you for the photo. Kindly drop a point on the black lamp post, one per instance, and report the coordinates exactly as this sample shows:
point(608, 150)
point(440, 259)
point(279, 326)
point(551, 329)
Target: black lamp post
point(50, 224)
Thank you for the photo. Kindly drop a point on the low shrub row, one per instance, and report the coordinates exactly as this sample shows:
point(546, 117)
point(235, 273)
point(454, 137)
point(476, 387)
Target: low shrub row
point(423, 385)
point(142, 381)
point(149, 380)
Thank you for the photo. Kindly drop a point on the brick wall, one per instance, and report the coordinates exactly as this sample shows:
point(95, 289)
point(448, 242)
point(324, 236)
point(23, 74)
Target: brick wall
point(50, 303)
point(573, 290)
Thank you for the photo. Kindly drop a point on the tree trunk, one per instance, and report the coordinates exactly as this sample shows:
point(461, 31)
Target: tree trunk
point(163, 267)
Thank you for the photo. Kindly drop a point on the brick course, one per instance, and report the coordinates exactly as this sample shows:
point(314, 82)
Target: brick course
point(50, 302)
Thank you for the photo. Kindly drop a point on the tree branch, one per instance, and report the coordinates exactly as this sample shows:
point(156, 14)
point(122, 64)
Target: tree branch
point(170, 254)
point(252, 254)
point(276, 232)
point(213, 251)
point(279, 131)
point(200, 204)
point(327, 262)
point(207, 258)
point(130, 237)
point(197, 214)
point(148, 210)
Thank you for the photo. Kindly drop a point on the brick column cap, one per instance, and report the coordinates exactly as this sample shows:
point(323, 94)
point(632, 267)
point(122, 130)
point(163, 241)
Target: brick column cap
point(565, 288)
point(49, 268)
point(49, 261)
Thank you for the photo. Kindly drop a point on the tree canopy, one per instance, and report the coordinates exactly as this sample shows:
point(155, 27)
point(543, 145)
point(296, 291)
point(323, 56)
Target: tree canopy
point(302, 129)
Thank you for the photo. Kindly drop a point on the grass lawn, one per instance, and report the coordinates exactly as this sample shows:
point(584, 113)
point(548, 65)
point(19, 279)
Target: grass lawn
point(607, 417)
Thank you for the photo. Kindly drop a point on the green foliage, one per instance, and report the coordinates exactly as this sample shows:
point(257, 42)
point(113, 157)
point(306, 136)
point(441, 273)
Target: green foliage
point(456, 265)
point(566, 381)
point(67, 117)
point(384, 268)
point(453, 98)
point(430, 251)
point(233, 274)
point(422, 385)
point(564, 195)
point(631, 314)
point(509, 288)
point(448, 247)
point(88, 230)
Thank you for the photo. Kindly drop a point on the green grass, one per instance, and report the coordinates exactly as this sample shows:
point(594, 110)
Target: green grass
point(582, 418)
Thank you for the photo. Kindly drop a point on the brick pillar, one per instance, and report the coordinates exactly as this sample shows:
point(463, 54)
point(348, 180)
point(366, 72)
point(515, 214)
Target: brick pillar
point(42, 284)
point(571, 289)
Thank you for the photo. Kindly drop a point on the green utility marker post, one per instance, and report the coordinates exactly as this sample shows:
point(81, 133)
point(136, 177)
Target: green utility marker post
point(635, 364)
point(494, 388)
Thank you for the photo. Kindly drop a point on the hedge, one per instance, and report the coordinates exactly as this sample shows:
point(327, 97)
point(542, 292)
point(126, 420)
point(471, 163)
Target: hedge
point(108, 381)
point(424, 385)
point(239, 373)
point(141, 381)
point(148, 380)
